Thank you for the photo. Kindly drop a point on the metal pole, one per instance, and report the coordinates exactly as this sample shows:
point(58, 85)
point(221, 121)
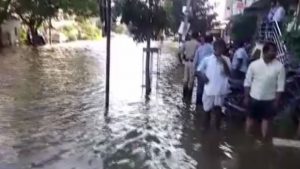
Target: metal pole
point(108, 33)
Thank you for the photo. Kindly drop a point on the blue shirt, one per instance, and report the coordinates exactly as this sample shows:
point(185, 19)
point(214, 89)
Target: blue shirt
point(240, 54)
point(203, 51)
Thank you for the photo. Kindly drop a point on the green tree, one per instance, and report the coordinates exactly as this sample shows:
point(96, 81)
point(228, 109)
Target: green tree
point(243, 28)
point(83, 8)
point(4, 9)
point(145, 20)
point(203, 17)
point(34, 12)
point(174, 13)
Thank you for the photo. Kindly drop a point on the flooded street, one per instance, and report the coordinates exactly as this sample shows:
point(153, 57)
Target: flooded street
point(52, 115)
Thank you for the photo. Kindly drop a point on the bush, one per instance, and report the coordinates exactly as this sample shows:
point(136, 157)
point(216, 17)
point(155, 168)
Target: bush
point(83, 30)
point(70, 32)
point(293, 42)
point(88, 31)
point(23, 36)
point(120, 29)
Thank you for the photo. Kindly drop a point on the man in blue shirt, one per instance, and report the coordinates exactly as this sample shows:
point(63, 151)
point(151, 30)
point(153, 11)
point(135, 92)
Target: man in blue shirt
point(240, 62)
point(203, 51)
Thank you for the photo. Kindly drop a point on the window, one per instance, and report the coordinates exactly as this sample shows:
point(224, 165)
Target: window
point(16, 31)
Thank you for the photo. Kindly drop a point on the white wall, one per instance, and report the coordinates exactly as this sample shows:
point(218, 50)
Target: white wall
point(232, 4)
point(10, 32)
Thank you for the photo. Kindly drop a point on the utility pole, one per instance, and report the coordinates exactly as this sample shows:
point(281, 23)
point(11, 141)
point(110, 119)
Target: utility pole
point(108, 36)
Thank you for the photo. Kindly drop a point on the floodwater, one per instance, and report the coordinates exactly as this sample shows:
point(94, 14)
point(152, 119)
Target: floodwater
point(52, 115)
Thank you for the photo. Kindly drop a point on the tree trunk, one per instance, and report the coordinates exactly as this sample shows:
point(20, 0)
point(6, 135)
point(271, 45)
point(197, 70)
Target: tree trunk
point(33, 32)
point(147, 75)
point(50, 31)
point(35, 39)
point(298, 16)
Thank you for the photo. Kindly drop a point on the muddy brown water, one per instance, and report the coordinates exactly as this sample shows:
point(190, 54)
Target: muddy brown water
point(51, 115)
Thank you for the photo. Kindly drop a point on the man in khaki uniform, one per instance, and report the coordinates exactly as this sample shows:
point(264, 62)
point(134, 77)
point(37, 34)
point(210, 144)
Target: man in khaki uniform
point(189, 49)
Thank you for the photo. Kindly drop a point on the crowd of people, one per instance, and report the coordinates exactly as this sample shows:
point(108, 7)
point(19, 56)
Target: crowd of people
point(211, 66)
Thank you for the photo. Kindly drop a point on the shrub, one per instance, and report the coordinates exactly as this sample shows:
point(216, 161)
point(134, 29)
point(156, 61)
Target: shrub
point(293, 42)
point(23, 36)
point(70, 32)
point(120, 29)
point(88, 31)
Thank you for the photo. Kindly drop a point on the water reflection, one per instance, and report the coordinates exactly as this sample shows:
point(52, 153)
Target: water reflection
point(51, 115)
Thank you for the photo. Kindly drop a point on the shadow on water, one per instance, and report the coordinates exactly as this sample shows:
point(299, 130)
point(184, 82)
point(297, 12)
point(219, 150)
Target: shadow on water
point(51, 115)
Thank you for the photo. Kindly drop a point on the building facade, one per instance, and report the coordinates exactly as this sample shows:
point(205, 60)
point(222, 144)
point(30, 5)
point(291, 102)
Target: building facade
point(235, 7)
point(10, 31)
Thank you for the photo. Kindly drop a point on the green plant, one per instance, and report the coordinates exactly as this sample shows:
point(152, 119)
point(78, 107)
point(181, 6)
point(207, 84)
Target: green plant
point(34, 12)
point(70, 32)
point(88, 31)
point(23, 35)
point(292, 40)
point(120, 29)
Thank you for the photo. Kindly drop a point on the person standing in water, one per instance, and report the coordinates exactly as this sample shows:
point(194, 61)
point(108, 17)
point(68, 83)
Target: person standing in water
point(189, 50)
point(264, 84)
point(215, 70)
point(240, 62)
point(203, 51)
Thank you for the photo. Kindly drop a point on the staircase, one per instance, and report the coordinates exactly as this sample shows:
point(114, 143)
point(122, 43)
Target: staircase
point(271, 32)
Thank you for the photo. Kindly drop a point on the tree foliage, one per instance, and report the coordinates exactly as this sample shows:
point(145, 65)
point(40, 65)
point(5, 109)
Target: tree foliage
point(203, 17)
point(34, 12)
point(293, 42)
point(243, 28)
point(82, 8)
point(144, 18)
point(4, 9)
point(4, 13)
point(174, 13)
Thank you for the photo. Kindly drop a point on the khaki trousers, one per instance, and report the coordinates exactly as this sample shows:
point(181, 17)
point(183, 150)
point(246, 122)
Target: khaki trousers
point(189, 71)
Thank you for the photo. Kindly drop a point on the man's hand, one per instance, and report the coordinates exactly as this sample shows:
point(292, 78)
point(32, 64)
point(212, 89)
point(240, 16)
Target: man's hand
point(205, 79)
point(275, 104)
point(247, 97)
point(277, 101)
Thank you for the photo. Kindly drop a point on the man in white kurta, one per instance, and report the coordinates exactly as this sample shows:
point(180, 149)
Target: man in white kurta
point(216, 70)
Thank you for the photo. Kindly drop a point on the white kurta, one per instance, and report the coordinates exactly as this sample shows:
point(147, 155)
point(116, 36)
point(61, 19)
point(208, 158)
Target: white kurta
point(218, 86)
